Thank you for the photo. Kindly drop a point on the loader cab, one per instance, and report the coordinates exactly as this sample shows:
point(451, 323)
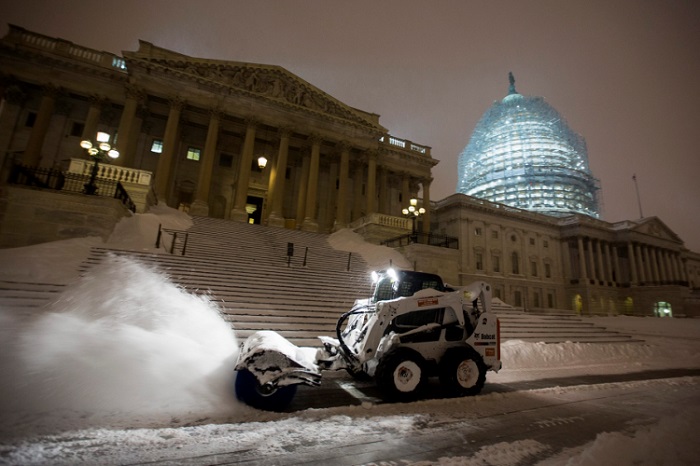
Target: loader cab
point(392, 284)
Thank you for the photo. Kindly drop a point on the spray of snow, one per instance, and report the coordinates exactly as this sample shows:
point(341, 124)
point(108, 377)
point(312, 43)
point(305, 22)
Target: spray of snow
point(377, 257)
point(123, 338)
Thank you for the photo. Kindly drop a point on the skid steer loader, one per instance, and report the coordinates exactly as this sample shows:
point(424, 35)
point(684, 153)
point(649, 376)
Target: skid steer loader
point(411, 328)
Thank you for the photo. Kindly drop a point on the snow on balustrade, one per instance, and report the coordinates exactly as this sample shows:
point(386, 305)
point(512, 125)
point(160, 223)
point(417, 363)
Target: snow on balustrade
point(404, 144)
point(110, 172)
point(383, 220)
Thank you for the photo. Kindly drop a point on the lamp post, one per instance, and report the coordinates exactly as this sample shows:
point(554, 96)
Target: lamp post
point(414, 212)
point(262, 162)
point(100, 150)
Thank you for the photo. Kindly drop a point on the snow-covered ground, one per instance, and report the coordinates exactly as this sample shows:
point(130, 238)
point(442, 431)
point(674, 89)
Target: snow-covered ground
point(124, 366)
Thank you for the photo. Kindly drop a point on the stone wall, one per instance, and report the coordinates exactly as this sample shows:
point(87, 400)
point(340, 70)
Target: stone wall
point(31, 216)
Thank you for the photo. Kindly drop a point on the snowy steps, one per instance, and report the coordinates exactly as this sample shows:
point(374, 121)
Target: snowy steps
point(554, 326)
point(243, 269)
point(27, 296)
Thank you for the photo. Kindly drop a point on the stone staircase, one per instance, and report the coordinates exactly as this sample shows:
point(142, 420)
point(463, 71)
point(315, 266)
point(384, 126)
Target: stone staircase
point(553, 326)
point(246, 271)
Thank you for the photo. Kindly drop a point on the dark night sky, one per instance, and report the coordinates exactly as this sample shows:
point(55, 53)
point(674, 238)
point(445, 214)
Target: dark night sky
point(624, 73)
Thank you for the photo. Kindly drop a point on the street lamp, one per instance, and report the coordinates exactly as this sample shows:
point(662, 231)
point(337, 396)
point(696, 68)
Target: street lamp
point(100, 150)
point(262, 162)
point(414, 212)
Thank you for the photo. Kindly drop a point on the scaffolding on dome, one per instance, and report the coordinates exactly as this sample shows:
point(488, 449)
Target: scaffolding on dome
point(522, 153)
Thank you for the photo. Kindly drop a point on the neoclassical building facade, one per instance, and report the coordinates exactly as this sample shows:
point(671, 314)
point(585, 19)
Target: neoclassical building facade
point(190, 132)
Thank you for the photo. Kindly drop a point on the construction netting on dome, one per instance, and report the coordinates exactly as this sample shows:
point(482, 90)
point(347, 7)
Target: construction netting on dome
point(522, 153)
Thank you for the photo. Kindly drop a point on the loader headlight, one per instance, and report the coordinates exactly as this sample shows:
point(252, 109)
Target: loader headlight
point(391, 273)
point(375, 276)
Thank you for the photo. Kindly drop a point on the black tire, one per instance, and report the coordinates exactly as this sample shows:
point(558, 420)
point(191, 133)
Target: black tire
point(401, 375)
point(248, 391)
point(462, 372)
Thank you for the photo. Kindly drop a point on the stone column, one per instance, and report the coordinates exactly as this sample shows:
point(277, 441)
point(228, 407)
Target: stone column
point(383, 190)
point(357, 211)
point(641, 265)
point(405, 189)
point(581, 261)
point(426, 205)
point(92, 119)
point(276, 217)
point(303, 182)
point(633, 264)
point(32, 153)
point(599, 254)
point(341, 216)
point(608, 263)
point(10, 107)
point(371, 182)
point(170, 142)
point(200, 206)
point(238, 213)
point(310, 221)
point(124, 133)
point(591, 259)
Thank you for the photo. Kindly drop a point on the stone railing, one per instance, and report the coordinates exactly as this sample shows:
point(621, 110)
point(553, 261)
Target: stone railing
point(20, 35)
point(383, 220)
point(110, 172)
point(404, 144)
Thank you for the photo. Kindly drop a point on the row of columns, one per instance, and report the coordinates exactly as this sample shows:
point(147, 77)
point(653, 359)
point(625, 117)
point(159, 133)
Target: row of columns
point(130, 127)
point(599, 260)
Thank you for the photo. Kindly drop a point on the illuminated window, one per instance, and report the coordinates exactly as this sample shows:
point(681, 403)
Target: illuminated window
point(157, 146)
point(193, 154)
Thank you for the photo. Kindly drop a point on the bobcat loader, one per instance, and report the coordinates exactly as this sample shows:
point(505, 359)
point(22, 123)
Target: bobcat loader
point(412, 327)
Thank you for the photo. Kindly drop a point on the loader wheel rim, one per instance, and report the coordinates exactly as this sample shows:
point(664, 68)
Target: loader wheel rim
point(407, 376)
point(467, 373)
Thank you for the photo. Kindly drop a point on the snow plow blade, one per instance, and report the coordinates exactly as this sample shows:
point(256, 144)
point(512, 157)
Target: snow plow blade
point(269, 369)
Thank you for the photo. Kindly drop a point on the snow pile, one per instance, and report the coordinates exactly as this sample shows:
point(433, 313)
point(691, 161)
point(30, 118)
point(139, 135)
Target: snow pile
point(377, 257)
point(125, 339)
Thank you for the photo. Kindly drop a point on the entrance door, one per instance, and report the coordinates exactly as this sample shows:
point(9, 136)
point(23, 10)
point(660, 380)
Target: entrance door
point(254, 205)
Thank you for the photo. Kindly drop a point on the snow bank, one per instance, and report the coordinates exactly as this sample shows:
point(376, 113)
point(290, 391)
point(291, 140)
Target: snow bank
point(377, 257)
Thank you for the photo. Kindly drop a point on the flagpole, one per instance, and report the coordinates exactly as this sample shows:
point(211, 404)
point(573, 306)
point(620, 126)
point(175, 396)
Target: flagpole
point(639, 200)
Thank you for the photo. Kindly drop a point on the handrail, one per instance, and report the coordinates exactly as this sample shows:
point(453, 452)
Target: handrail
point(430, 239)
point(173, 242)
point(49, 178)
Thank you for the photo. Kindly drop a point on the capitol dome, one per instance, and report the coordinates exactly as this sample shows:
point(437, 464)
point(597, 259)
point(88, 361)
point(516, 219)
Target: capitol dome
point(522, 153)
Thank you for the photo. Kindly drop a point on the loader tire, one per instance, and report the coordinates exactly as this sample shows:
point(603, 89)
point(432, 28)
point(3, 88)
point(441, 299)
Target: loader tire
point(248, 391)
point(462, 372)
point(401, 374)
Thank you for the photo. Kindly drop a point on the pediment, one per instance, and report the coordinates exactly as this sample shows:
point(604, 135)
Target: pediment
point(268, 82)
point(652, 226)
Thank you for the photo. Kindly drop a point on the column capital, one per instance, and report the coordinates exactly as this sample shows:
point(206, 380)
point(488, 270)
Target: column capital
point(97, 100)
point(285, 132)
point(177, 102)
point(314, 139)
point(251, 122)
point(134, 92)
point(14, 94)
point(51, 90)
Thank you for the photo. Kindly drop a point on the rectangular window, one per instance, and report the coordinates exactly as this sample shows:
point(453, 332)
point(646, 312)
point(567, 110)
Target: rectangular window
point(494, 234)
point(548, 270)
point(496, 260)
point(533, 268)
point(477, 231)
point(157, 146)
point(193, 153)
point(225, 160)
point(31, 119)
point(76, 129)
point(545, 244)
point(479, 261)
point(532, 241)
point(550, 300)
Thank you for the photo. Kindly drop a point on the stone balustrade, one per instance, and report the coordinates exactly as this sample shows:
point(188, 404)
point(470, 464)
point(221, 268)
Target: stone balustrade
point(111, 172)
